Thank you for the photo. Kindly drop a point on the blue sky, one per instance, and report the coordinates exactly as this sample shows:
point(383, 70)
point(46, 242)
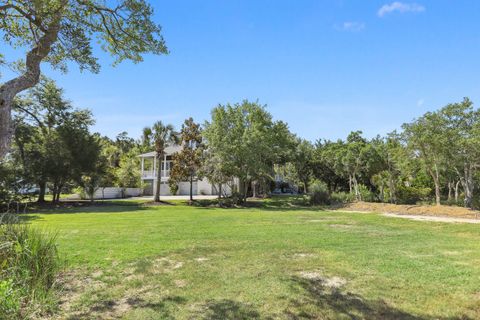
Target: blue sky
point(325, 67)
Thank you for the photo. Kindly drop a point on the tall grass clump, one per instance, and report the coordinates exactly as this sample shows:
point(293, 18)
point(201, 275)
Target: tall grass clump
point(29, 264)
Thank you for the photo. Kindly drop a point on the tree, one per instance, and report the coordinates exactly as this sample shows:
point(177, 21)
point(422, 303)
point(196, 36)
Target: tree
point(59, 31)
point(426, 139)
point(187, 162)
point(162, 135)
point(128, 172)
point(49, 137)
point(357, 159)
point(326, 166)
point(245, 142)
point(302, 163)
point(461, 125)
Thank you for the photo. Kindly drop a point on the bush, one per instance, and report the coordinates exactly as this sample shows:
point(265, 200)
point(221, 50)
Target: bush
point(319, 194)
point(412, 195)
point(366, 194)
point(173, 187)
point(28, 271)
point(342, 197)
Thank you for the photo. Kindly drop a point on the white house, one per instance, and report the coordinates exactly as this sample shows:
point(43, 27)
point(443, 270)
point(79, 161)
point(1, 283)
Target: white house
point(149, 176)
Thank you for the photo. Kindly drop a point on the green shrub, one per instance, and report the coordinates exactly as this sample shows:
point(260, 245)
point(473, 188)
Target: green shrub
point(319, 194)
point(28, 270)
point(9, 301)
point(366, 194)
point(342, 197)
point(173, 187)
point(412, 195)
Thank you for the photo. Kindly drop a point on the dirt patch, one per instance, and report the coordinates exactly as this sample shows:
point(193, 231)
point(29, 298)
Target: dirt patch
point(156, 204)
point(419, 210)
point(332, 283)
point(303, 255)
point(432, 218)
point(166, 265)
point(341, 226)
point(201, 259)
point(180, 283)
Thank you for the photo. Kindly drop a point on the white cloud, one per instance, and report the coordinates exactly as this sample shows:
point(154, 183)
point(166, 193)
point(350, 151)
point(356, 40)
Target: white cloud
point(351, 26)
point(400, 7)
point(420, 102)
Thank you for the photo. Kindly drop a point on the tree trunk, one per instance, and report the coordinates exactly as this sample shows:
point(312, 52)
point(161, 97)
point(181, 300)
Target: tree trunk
point(159, 179)
point(350, 183)
point(358, 195)
point(305, 186)
point(245, 190)
point(468, 188)
point(393, 193)
point(54, 192)
point(28, 79)
point(437, 190)
point(450, 187)
point(457, 186)
point(59, 192)
point(41, 194)
point(219, 191)
point(254, 189)
point(436, 180)
point(191, 188)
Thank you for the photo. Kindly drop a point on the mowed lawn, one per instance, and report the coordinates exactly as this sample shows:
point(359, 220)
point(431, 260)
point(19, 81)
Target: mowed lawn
point(275, 262)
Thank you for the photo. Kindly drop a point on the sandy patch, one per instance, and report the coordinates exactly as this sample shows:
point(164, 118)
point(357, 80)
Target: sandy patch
point(303, 255)
point(180, 283)
point(341, 226)
point(417, 210)
point(201, 259)
point(166, 265)
point(333, 282)
point(431, 218)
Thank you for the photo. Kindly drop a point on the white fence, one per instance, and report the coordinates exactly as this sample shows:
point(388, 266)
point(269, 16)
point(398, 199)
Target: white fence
point(116, 193)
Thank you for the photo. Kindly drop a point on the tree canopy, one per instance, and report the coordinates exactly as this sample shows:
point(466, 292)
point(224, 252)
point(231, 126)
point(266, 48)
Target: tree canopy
point(62, 31)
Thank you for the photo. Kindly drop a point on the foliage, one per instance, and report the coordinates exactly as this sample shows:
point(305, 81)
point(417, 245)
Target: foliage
point(342, 197)
point(299, 169)
point(413, 195)
point(187, 162)
point(28, 271)
point(161, 135)
point(61, 31)
point(319, 194)
point(52, 139)
point(245, 143)
point(128, 172)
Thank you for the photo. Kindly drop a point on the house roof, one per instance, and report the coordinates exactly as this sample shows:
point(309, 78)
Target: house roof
point(169, 150)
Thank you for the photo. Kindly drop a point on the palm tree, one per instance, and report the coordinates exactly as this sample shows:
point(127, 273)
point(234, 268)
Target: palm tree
point(162, 136)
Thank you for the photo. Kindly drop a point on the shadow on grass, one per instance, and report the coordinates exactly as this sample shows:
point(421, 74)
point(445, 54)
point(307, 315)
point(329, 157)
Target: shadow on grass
point(276, 203)
point(75, 207)
point(227, 310)
point(116, 310)
point(345, 305)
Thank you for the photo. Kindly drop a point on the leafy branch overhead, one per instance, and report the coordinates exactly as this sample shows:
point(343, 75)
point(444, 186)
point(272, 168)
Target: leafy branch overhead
point(63, 31)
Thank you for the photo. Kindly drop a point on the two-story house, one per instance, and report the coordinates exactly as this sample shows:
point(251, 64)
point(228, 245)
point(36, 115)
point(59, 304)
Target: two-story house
point(149, 167)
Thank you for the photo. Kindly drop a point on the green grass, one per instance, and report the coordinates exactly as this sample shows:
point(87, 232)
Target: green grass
point(270, 262)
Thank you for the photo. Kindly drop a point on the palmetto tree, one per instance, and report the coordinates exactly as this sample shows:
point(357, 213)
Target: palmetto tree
point(162, 135)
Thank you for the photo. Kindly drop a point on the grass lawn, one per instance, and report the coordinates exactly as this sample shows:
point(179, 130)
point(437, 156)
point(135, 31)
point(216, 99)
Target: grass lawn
point(274, 262)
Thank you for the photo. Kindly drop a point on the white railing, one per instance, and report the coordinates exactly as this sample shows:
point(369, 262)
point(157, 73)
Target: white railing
point(152, 174)
point(148, 174)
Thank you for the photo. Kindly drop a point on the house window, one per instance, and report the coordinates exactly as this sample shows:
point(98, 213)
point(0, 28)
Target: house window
point(167, 165)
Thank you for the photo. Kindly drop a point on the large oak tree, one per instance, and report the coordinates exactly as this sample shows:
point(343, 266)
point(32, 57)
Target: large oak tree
point(62, 31)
